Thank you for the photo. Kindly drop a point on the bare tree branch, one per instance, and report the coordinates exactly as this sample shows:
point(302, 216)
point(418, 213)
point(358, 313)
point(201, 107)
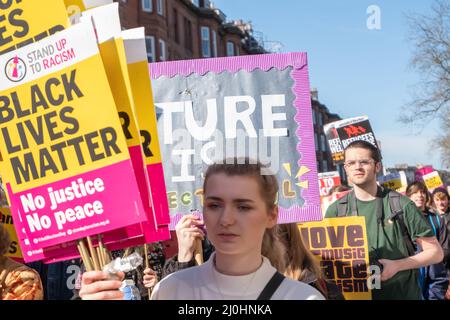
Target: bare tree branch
point(430, 36)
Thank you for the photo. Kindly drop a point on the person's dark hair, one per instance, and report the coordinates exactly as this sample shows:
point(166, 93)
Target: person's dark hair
point(268, 184)
point(416, 187)
point(374, 152)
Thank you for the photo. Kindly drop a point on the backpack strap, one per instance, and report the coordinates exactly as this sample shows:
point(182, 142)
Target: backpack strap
point(430, 218)
point(271, 286)
point(397, 215)
point(342, 205)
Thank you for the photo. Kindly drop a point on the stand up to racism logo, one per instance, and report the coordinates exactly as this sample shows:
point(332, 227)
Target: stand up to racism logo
point(15, 69)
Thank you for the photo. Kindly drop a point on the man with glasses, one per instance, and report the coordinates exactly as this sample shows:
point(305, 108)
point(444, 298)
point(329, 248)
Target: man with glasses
point(386, 228)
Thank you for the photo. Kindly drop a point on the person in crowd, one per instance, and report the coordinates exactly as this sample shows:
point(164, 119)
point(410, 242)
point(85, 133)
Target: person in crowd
point(17, 281)
point(386, 228)
point(441, 206)
point(239, 208)
point(150, 276)
point(300, 263)
point(296, 262)
point(433, 278)
point(3, 199)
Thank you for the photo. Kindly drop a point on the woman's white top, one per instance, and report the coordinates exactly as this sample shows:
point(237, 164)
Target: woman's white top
point(204, 282)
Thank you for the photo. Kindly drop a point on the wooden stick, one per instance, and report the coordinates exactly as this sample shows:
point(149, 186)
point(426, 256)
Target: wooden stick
point(198, 252)
point(102, 250)
point(85, 255)
point(126, 253)
point(107, 256)
point(100, 257)
point(147, 265)
point(110, 257)
point(88, 257)
point(93, 254)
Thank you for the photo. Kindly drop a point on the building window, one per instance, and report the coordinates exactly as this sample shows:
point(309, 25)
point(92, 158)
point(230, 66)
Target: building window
point(147, 5)
point(238, 51)
point(214, 33)
point(175, 24)
point(187, 34)
point(206, 43)
point(160, 7)
point(323, 143)
point(150, 44)
point(314, 116)
point(230, 49)
point(325, 166)
point(316, 141)
point(162, 50)
point(320, 119)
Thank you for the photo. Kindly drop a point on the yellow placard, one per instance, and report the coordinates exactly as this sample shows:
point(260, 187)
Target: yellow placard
point(115, 65)
point(145, 109)
point(136, 54)
point(107, 23)
point(58, 124)
point(432, 181)
point(393, 184)
point(6, 219)
point(25, 21)
point(340, 245)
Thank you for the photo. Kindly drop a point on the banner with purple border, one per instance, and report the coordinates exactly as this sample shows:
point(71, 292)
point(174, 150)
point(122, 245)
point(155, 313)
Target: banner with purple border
point(256, 106)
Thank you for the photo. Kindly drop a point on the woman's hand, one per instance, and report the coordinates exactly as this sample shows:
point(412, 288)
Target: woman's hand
point(98, 285)
point(188, 231)
point(150, 278)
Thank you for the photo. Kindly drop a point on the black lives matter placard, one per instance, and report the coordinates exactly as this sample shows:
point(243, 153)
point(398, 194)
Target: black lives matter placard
point(25, 21)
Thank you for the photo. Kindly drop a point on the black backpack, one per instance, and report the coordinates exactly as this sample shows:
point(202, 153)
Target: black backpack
point(396, 213)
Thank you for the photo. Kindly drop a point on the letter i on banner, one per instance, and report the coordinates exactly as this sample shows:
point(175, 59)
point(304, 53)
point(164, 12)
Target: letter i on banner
point(107, 24)
point(26, 21)
point(136, 53)
point(65, 161)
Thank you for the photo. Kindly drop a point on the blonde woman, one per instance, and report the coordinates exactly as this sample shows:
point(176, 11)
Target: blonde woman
point(239, 208)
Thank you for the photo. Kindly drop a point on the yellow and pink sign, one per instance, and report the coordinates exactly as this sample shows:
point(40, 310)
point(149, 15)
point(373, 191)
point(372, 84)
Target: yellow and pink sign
point(65, 160)
point(136, 53)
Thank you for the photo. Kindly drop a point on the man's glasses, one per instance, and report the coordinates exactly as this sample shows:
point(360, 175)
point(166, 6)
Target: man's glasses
point(362, 163)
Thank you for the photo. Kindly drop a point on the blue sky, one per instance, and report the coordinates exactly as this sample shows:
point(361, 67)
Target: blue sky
point(357, 71)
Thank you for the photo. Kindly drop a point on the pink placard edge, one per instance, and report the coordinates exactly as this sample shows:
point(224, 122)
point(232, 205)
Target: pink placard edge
point(234, 64)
